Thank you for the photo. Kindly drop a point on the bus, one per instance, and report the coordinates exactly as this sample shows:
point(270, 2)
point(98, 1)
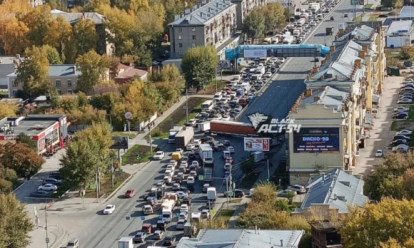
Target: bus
point(207, 105)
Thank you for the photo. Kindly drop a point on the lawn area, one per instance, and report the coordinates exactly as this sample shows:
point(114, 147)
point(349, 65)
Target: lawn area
point(130, 157)
point(394, 126)
point(367, 6)
point(131, 134)
point(411, 114)
point(224, 214)
point(358, 18)
point(392, 53)
point(249, 180)
point(106, 185)
point(211, 87)
point(373, 18)
point(238, 200)
point(178, 117)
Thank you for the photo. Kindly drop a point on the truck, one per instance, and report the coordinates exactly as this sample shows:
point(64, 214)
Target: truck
point(314, 7)
point(231, 128)
point(208, 175)
point(260, 70)
point(329, 30)
point(203, 127)
point(125, 242)
point(206, 155)
point(173, 132)
point(183, 137)
point(169, 200)
point(288, 40)
point(211, 193)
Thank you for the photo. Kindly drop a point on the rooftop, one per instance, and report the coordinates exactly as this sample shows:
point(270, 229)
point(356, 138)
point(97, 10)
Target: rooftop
point(362, 32)
point(407, 12)
point(68, 70)
point(129, 72)
point(243, 238)
point(31, 125)
point(201, 14)
point(329, 96)
point(336, 188)
point(399, 27)
point(74, 18)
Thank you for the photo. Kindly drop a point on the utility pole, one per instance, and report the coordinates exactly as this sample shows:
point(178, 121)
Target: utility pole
point(150, 134)
point(112, 172)
point(186, 101)
point(268, 170)
point(47, 236)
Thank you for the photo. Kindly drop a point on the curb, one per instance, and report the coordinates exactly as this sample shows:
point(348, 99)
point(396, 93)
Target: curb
point(59, 242)
point(21, 185)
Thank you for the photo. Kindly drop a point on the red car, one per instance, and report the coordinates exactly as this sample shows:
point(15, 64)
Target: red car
point(130, 193)
point(229, 160)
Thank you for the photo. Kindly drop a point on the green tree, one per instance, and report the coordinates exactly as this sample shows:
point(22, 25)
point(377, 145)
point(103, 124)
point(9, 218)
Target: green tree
point(254, 24)
point(15, 223)
point(25, 139)
point(32, 72)
point(105, 101)
point(379, 223)
point(59, 32)
point(52, 55)
point(392, 3)
point(274, 15)
point(38, 21)
point(93, 67)
point(85, 35)
point(199, 65)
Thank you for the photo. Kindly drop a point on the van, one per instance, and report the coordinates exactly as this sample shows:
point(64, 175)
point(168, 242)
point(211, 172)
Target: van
point(74, 243)
point(176, 156)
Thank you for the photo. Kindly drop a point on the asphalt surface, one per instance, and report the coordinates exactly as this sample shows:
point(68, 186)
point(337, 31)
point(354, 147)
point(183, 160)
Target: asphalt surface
point(288, 84)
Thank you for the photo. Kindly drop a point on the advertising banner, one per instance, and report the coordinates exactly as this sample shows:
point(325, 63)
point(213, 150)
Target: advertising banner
point(256, 144)
point(261, 53)
point(316, 140)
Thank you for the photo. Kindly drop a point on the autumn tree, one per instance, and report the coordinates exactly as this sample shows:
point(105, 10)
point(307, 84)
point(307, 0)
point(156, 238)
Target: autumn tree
point(169, 83)
point(21, 158)
point(58, 35)
point(85, 36)
point(25, 139)
point(274, 15)
point(38, 21)
point(32, 72)
point(199, 65)
point(94, 68)
point(52, 55)
point(8, 178)
point(254, 24)
point(7, 110)
point(389, 221)
point(15, 223)
point(14, 33)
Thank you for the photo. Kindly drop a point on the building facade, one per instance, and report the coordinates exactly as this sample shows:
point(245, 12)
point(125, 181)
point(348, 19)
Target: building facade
point(63, 78)
point(244, 7)
point(211, 23)
point(399, 34)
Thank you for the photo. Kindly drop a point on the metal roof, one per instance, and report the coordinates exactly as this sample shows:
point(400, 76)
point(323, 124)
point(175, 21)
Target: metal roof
point(337, 188)
point(399, 27)
point(59, 71)
point(203, 14)
point(74, 18)
point(330, 97)
point(243, 238)
point(406, 12)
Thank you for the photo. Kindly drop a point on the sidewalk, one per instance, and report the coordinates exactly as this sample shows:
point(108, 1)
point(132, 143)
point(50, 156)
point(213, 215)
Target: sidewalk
point(367, 13)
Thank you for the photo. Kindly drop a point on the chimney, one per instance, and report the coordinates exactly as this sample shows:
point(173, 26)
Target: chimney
point(365, 48)
point(281, 242)
point(332, 49)
point(308, 92)
point(357, 63)
point(323, 62)
point(361, 54)
point(74, 69)
point(316, 98)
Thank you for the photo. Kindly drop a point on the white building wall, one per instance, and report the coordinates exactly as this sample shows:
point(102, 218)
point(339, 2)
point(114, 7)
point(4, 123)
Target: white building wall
point(398, 41)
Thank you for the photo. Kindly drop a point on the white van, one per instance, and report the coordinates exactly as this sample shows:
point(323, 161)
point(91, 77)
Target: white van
point(218, 96)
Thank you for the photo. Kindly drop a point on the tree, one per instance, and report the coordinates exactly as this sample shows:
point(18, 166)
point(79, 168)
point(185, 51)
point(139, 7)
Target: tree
point(52, 55)
point(199, 64)
point(15, 223)
point(58, 34)
point(38, 21)
point(274, 15)
point(24, 139)
point(32, 72)
point(392, 3)
point(379, 223)
point(138, 5)
point(93, 67)
point(85, 35)
point(254, 24)
point(7, 110)
point(21, 158)
point(14, 35)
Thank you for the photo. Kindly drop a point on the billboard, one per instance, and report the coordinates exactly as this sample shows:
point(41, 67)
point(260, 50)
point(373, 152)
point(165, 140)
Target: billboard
point(119, 143)
point(316, 140)
point(256, 144)
point(260, 53)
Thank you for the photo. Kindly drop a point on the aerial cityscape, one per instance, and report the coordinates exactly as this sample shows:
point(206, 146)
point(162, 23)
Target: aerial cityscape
point(206, 123)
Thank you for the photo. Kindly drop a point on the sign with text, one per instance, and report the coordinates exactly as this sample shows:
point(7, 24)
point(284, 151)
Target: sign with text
point(260, 53)
point(316, 140)
point(256, 144)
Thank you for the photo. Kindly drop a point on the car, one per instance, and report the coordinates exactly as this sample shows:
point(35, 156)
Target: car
point(404, 132)
point(300, 189)
point(40, 193)
point(169, 240)
point(195, 164)
point(345, 15)
point(401, 148)
point(109, 209)
point(181, 151)
point(400, 136)
point(158, 235)
point(379, 153)
point(184, 208)
point(167, 179)
point(191, 122)
point(316, 59)
point(229, 160)
point(404, 101)
point(205, 187)
point(181, 194)
point(47, 187)
point(55, 175)
point(192, 173)
point(407, 88)
point(190, 147)
point(159, 155)
point(129, 193)
point(175, 187)
point(205, 214)
point(383, 16)
point(238, 193)
point(180, 224)
point(332, 18)
point(52, 181)
point(400, 116)
point(190, 179)
point(267, 75)
point(285, 193)
point(230, 149)
point(140, 237)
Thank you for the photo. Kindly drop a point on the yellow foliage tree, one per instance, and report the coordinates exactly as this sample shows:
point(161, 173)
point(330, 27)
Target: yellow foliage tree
point(14, 35)
point(7, 110)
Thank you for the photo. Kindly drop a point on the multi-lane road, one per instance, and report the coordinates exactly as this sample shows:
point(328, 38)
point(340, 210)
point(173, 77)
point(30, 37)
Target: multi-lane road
point(288, 84)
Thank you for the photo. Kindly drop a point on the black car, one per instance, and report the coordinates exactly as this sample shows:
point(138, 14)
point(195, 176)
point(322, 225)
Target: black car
point(238, 193)
point(169, 240)
point(399, 142)
point(345, 15)
point(162, 225)
point(400, 116)
point(39, 193)
point(273, 70)
point(55, 175)
point(52, 181)
point(397, 137)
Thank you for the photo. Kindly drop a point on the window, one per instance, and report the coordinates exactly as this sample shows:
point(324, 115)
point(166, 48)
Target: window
point(179, 37)
point(14, 93)
point(193, 45)
point(14, 83)
point(59, 92)
point(69, 83)
point(193, 29)
point(194, 37)
point(180, 44)
point(57, 83)
point(180, 29)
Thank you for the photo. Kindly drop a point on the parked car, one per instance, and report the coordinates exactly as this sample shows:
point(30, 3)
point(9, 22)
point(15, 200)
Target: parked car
point(400, 136)
point(129, 193)
point(55, 175)
point(400, 116)
point(401, 148)
point(109, 209)
point(398, 142)
point(40, 193)
point(159, 155)
point(404, 132)
point(52, 181)
point(379, 153)
point(284, 193)
point(300, 189)
point(47, 187)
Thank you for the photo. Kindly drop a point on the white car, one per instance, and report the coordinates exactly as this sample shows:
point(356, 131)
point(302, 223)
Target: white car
point(181, 151)
point(268, 75)
point(231, 149)
point(184, 208)
point(190, 179)
point(191, 122)
point(159, 155)
point(401, 109)
point(47, 187)
point(401, 148)
point(379, 153)
point(190, 147)
point(404, 132)
point(300, 189)
point(109, 209)
point(181, 194)
point(158, 235)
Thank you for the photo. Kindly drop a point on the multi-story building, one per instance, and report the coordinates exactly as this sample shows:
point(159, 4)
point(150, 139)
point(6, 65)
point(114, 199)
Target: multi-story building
point(244, 7)
point(102, 46)
point(212, 23)
point(337, 111)
point(63, 78)
point(35, 3)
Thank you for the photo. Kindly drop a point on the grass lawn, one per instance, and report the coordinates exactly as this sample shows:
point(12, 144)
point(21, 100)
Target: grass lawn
point(178, 117)
point(373, 18)
point(235, 200)
point(249, 180)
point(224, 214)
point(394, 126)
point(131, 135)
point(411, 114)
point(106, 185)
point(211, 87)
point(130, 157)
point(358, 18)
point(392, 53)
point(367, 6)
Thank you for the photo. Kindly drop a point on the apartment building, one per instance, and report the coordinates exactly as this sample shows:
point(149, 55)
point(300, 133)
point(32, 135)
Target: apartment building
point(244, 7)
point(63, 78)
point(102, 45)
point(210, 23)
